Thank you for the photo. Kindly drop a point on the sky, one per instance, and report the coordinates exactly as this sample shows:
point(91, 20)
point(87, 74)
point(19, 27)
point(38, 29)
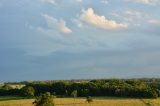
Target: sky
point(79, 39)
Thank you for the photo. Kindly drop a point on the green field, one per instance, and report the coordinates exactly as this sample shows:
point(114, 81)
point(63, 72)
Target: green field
point(4, 98)
point(107, 101)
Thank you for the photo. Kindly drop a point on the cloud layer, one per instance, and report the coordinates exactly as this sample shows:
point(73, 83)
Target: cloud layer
point(90, 17)
point(148, 2)
point(59, 25)
point(154, 21)
point(107, 42)
point(49, 1)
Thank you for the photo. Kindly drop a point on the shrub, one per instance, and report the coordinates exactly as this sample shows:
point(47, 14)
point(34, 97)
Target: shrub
point(44, 100)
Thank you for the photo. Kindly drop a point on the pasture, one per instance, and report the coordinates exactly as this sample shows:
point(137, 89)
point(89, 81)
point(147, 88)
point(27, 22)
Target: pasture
point(82, 102)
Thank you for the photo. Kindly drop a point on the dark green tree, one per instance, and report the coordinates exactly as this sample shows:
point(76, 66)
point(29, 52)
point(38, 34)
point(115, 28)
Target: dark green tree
point(59, 88)
point(84, 92)
point(28, 91)
point(44, 100)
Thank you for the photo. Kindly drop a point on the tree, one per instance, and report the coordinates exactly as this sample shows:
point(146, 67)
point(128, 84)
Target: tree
point(59, 88)
point(84, 92)
point(89, 99)
point(6, 87)
point(28, 91)
point(44, 100)
point(74, 94)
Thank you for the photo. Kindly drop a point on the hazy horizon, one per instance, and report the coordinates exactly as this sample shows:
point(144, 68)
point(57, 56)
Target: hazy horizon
point(79, 39)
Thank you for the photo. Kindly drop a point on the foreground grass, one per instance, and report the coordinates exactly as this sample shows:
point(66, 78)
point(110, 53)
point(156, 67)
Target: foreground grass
point(82, 102)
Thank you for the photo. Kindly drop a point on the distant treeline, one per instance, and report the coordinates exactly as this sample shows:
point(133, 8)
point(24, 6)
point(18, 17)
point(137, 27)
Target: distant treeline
point(142, 88)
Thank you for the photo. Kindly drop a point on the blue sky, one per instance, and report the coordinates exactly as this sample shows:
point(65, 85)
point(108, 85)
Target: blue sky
point(79, 39)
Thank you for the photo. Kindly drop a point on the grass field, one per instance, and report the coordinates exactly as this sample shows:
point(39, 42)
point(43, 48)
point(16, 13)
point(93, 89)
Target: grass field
point(3, 98)
point(82, 102)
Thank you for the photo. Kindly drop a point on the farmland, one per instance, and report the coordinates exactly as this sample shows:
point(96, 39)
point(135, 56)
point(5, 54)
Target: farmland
point(105, 92)
point(97, 101)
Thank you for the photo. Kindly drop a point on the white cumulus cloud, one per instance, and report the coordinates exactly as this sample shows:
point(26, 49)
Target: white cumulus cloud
point(60, 25)
point(90, 17)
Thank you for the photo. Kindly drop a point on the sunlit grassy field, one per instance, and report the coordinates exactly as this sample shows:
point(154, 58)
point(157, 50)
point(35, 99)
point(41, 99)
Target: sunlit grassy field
point(82, 102)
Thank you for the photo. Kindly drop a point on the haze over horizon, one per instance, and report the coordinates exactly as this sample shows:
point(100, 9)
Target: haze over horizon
point(79, 39)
